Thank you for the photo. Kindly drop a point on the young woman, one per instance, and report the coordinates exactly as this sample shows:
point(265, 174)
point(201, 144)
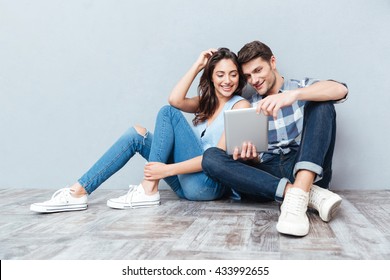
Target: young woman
point(175, 150)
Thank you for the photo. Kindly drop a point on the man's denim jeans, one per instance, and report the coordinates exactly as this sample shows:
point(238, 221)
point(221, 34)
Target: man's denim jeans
point(267, 180)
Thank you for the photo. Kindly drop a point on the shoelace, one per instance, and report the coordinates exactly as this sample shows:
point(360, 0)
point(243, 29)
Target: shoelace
point(130, 193)
point(132, 189)
point(61, 195)
point(295, 204)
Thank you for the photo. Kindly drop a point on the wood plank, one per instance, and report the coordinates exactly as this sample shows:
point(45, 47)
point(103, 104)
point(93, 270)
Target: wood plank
point(181, 229)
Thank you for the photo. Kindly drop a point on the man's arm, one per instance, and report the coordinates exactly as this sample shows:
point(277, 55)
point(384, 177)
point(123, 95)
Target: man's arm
point(319, 91)
point(322, 91)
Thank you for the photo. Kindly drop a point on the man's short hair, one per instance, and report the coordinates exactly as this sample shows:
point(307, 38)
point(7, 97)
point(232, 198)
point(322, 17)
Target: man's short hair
point(254, 50)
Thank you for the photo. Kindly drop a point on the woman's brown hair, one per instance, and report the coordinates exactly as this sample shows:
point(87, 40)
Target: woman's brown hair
point(208, 101)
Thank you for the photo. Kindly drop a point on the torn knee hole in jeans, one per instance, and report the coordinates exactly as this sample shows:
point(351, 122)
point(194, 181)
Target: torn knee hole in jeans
point(142, 131)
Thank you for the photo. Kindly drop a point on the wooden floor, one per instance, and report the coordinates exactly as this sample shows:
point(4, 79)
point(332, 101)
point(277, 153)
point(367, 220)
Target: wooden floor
point(181, 229)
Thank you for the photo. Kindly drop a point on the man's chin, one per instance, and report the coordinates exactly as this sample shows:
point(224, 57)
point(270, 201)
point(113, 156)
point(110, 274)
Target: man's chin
point(261, 92)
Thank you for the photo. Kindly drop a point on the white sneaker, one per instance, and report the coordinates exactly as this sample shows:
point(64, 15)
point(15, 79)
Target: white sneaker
point(324, 201)
point(61, 201)
point(293, 219)
point(135, 198)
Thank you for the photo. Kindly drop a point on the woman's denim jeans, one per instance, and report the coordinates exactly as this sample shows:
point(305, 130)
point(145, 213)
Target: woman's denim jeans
point(267, 180)
point(130, 143)
point(173, 141)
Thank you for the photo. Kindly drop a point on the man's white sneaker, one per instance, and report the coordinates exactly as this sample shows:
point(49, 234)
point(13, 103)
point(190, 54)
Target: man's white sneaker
point(324, 201)
point(61, 201)
point(135, 198)
point(293, 219)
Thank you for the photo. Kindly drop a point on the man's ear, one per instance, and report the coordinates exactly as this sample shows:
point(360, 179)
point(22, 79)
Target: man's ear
point(272, 62)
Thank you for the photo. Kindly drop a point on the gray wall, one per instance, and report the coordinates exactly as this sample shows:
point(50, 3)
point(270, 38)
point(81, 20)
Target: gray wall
point(75, 74)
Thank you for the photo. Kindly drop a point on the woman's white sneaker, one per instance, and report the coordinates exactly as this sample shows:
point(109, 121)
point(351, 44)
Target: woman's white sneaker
point(135, 198)
point(61, 201)
point(325, 202)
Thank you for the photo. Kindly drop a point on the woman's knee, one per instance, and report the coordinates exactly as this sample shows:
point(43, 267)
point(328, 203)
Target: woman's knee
point(167, 109)
point(140, 130)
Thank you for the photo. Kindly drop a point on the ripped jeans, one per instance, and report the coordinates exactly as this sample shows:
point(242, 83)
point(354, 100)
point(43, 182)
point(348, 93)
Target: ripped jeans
point(130, 143)
point(173, 141)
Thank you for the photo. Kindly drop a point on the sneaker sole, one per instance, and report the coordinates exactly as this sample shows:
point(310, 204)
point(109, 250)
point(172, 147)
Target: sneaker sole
point(54, 209)
point(143, 204)
point(328, 215)
point(290, 229)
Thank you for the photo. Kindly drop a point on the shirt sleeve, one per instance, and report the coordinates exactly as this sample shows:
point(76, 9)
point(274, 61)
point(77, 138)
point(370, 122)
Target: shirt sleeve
point(346, 95)
point(308, 82)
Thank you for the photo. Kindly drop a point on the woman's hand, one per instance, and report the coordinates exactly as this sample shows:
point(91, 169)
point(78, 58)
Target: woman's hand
point(156, 171)
point(204, 57)
point(178, 97)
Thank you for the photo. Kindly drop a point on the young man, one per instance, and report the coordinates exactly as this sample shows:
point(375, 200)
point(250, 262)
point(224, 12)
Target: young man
point(302, 127)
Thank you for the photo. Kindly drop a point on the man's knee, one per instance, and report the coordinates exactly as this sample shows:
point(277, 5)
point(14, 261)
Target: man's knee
point(323, 109)
point(209, 160)
point(208, 156)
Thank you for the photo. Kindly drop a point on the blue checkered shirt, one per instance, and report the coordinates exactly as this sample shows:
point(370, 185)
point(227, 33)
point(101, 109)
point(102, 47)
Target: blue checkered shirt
point(284, 133)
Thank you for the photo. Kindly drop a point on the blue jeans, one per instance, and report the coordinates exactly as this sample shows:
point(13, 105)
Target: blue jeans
point(267, 180)
point(173, 141)
point(130, 143)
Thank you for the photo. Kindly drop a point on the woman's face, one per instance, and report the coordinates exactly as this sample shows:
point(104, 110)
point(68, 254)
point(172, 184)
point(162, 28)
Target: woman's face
point(225, 78)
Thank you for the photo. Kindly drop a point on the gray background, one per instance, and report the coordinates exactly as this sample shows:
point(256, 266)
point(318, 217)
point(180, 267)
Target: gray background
point(75, 74)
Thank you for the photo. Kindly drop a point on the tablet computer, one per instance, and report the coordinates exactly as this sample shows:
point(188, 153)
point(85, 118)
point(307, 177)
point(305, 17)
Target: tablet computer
point(245, 125)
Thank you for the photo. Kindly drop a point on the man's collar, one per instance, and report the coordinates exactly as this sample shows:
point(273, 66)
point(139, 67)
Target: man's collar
point(282, 88)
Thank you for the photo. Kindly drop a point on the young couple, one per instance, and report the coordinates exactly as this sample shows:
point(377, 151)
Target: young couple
point(191, 157)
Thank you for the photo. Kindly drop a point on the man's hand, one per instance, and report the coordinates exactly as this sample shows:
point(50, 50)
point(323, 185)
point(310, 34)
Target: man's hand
point(271, 104)
point(248, 152)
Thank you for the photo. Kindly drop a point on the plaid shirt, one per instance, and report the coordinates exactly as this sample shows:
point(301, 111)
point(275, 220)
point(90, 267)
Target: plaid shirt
point(284, 133)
